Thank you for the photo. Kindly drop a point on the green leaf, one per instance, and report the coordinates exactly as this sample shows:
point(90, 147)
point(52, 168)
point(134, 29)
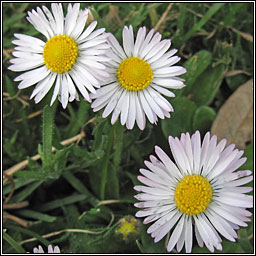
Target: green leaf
point(147, 244)
point(99, 138)
point(18, 248)
point(36, 215)
point(79, 186)
point(37, 173)
point(78, 119)
point(181, 119)
point(248, 165)
point(203, 119)
point(18, 183)
point(26, 192)
point(197, 26)
point(207, 85)
point(105, 163)
point(47, 136)
point(12, 20)
point(248, 152)
point(244, 241)
point(29, 232)
point(60, 161)
point(112, 184)
point(194, 66)
point(61, 202)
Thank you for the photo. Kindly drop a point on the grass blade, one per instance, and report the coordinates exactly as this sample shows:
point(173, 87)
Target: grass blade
point(201, 23)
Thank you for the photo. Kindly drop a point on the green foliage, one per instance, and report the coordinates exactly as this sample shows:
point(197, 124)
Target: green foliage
point(82, 189)
point(207, 84)
point(181, 120)
point(146, 245)
point(195, 66)
point(13, 243)
point(203, 119)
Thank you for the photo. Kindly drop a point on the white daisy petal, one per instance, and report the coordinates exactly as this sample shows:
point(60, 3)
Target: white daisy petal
point(163, 90)
point(63, 97)
point(155, 40)
point(157, 49)
point(112, 103)
point(132, 111)
point(87, 32)
point(127, 42)
point(80, 23)
point(23, 66)
point(116, 46)
point(174, 71)
point(161, 232)
point(71, 88)
point(168, 83)
point(31, 77)
point(50, 249)
point(164, 62)
point(154, 106)
point(146, 107)
point(125, 108)
point(189, 235)
point(139, 40)
point(56, 90)
point(29, 41)
point(71, 18)
point(176, 234)
point(46, 89)
point(72, 53)
point(42, 84)
point(118, 107)
point(56, 249)
point(59, 18)
point(140, 115)
point(159, 53)
point(175, 194)
point(161, 221)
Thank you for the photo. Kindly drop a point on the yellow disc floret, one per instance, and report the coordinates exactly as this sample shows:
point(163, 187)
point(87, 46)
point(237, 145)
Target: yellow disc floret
point(60, 53)
point(134, 74)
point(193, 194)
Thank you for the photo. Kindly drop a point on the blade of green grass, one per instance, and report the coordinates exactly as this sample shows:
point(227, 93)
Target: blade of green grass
point(61, 202)
point(79, 186)
point(47, 136)
point(28, 232)
point(215, 7)
point(105, 163)
point(18, 248)
point(36, 215)
point(25, 192)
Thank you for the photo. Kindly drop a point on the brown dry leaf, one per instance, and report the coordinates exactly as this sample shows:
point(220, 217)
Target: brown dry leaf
point(234, 120)
point(246, 36)
point(236, 72)
point(112, 18)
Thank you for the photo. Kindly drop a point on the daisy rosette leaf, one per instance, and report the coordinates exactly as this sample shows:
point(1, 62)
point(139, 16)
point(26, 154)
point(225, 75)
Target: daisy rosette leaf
point(141, 72)
point(201, 191)
point(50, 248)
point(72, 57)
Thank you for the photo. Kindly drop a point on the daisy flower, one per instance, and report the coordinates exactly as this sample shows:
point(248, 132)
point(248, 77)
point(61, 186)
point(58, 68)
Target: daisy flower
point(71, 58)
point(56, 249)
point(140, 73)
point(202, 191)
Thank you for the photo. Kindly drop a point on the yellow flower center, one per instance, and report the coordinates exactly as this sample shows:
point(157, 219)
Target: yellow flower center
point(134, 74)
point(193, 194)
point(127, 227)
point(60, 53)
